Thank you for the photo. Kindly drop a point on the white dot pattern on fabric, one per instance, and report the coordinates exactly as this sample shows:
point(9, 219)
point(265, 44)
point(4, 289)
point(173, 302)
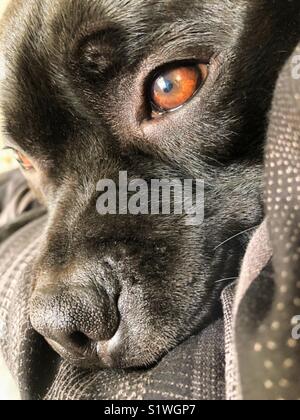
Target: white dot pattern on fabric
point(283, 208)
point(274, 365)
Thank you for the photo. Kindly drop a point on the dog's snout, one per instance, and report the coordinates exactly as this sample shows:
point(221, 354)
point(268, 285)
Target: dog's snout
point(75, 319)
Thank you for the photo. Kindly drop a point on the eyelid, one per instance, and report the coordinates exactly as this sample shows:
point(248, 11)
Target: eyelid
point(10, 149)
point(174, 65)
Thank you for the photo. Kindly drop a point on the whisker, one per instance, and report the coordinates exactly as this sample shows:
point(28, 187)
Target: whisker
point(229, 278)
point(235, 236)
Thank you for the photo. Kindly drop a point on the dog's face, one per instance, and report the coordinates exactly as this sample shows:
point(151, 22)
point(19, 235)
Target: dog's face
point(86, 93)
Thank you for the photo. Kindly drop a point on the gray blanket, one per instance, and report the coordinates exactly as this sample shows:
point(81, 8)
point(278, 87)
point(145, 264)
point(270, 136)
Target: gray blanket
point(250, 353)
point(267, 312)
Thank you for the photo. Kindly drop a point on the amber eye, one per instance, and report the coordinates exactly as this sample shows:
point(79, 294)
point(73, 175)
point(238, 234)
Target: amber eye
point(24, 161)
point(175, 87)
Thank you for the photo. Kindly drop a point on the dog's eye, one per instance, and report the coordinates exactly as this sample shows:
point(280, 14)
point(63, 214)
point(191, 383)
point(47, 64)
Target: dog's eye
point(173, 88)
point(21, 158)
point(23, 161)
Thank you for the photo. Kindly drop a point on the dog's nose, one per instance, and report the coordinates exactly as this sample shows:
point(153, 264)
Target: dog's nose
point(74, 320)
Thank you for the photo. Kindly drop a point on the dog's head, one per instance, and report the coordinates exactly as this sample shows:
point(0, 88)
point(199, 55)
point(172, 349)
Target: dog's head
point(162, 90)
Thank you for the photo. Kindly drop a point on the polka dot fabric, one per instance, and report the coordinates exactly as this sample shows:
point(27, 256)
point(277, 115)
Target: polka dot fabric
point(268, 351)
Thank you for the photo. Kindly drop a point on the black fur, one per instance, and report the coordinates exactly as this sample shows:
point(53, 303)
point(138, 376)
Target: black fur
point(75, 100)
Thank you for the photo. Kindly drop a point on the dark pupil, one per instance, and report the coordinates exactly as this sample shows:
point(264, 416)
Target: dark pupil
point(168, 86)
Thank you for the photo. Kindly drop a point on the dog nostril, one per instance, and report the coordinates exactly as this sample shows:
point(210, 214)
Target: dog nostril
point(79, 340)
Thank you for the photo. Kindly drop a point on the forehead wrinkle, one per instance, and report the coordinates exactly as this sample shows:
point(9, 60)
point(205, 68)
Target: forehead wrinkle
point(148, 23)
point(138, 18)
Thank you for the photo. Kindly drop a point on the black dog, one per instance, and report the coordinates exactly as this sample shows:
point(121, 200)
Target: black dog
point(87, 92)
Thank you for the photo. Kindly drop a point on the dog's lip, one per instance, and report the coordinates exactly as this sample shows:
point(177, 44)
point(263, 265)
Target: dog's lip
point(86, 360)
point(96, 357)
